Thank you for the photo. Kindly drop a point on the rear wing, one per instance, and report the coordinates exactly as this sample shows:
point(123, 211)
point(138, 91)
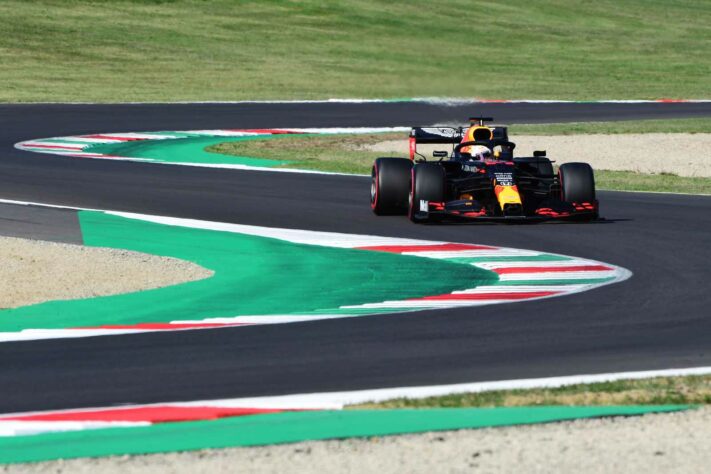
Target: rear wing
point(447, 135)
point(437, 134)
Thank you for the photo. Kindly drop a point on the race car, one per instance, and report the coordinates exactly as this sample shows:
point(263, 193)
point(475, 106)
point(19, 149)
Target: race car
point(480, 179)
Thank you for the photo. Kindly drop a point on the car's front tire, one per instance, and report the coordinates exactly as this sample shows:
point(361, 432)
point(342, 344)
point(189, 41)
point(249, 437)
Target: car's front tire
point(390, 186)
point(577, 183)
point(427, 185)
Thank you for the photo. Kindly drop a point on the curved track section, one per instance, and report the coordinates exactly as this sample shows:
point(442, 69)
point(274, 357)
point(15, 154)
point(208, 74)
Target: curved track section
point(485, 275)
point(150, 147)
point(658, 319)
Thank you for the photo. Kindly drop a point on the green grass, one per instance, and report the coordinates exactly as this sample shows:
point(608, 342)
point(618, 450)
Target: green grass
point(53, 50)
point(345, 154)
point(662, 183)
point(336, 153)
point(657, 391)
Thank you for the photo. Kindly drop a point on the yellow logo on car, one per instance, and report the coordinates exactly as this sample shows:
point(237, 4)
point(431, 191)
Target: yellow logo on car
point(507, 195)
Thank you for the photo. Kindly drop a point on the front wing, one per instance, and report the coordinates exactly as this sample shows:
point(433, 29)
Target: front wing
point(472, 210)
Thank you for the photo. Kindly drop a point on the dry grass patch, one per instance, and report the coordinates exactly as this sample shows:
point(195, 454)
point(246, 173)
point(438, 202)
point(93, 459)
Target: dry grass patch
point(655, 391)
point(356, 153)
point(336, 153)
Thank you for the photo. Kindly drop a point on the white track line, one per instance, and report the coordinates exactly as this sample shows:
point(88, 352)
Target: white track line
point(27, 428)
point(379, 395)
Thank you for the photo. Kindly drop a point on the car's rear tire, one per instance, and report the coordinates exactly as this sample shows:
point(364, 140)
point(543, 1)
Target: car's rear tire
point(390, 186)
point(577, 182)
point(427, 184)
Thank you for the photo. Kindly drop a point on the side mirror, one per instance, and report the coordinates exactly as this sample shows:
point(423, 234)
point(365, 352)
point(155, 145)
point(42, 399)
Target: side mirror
point(538, 153)
point(440, 154)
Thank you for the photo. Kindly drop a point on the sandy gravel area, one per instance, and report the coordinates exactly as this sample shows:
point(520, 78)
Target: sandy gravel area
point(668, 443)
point(684, 154)
point(33, 271)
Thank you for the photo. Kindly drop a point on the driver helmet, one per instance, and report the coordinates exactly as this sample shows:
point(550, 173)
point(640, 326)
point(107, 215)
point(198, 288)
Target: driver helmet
point(480, 152)
point(476, 133)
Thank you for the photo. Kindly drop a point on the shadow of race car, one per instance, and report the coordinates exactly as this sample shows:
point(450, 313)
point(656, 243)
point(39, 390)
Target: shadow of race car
point(480, 179)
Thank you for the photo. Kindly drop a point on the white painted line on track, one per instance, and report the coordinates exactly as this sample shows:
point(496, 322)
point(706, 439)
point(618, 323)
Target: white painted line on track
point(27, 428)
point(258, 168)
point(53, 206)
point(42, 334)
point(382, 394)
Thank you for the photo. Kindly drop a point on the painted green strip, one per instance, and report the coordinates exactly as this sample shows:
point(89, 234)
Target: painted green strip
point(253, 276)
point(183, 150)
point(288, 428)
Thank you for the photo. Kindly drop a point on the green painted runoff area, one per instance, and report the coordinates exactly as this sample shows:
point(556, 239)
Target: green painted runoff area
point(183, 150)
point(253, 276)
point(289, 427)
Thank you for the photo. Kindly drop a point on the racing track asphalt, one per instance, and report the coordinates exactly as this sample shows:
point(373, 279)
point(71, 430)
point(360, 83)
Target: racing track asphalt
point(657, 319)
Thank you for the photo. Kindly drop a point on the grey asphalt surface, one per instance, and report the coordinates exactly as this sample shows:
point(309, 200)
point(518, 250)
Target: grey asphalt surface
point(658, 319)
point(40, 223)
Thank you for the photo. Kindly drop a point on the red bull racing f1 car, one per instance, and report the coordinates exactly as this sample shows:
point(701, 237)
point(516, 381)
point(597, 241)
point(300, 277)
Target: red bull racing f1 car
point(480, 179)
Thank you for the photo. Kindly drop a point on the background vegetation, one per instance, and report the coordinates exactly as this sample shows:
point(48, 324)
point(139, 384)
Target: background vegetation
point(231, 50)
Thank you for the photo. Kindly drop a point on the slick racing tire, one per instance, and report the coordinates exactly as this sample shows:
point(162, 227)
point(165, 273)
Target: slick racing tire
point(577, 182)
point(427, 185)
point(577, 185)
point(390, 186)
